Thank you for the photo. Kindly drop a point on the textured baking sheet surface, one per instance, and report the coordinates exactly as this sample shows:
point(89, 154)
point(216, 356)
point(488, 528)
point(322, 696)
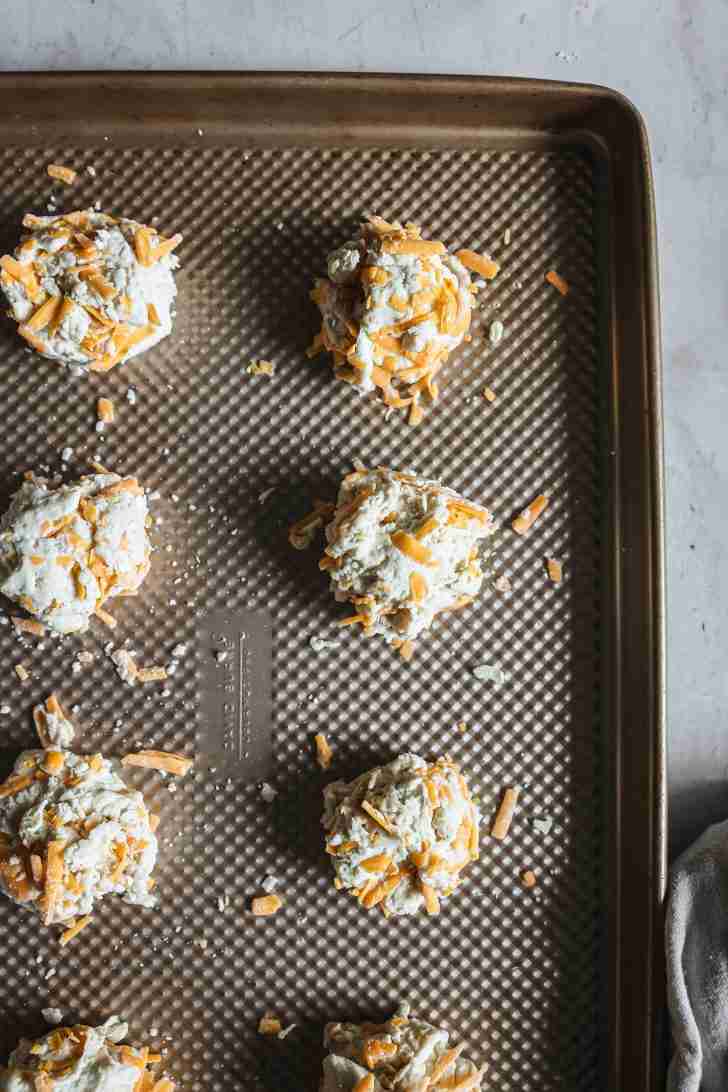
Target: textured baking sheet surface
point(515, 972)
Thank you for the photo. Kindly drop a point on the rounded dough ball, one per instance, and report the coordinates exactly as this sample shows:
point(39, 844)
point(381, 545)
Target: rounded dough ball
point(86, 1057)
point(400, 836)
point(394, 306)
point(90, 290)
point(64, 551)
point(71, 832)
point(403, 550)
point(404, 1052)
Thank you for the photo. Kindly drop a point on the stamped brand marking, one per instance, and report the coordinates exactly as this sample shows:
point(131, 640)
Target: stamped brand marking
point(236, 701)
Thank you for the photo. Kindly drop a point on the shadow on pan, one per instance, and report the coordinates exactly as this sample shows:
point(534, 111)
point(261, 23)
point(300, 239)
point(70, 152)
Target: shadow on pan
point(293, 1063)
point(297, 809)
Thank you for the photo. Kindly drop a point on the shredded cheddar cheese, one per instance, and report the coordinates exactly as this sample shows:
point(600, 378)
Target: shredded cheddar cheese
point(160, 760)
point(269, 1024)
point(557, 282)
point(28, 625)
point(62, 174)
point(555, 570)
point(324, 753)
point(478, 263)
point(504, 815)
point(523, 523)
point(105, 410)
point(73, 931)
point(264, 906)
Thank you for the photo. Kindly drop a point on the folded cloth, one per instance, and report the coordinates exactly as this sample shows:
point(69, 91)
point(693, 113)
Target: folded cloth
point(697, 964)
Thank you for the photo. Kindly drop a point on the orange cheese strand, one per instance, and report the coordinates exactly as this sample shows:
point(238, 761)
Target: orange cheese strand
point(411, 547)
point(478, 263)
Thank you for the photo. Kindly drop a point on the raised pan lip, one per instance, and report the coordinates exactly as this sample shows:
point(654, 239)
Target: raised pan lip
point(597, 96)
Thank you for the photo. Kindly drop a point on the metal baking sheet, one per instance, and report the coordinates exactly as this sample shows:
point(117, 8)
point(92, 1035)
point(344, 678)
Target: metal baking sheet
point(555, 989)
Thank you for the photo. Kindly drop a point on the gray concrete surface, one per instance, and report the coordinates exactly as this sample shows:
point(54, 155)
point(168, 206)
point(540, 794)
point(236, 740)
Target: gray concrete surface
point(671, 58)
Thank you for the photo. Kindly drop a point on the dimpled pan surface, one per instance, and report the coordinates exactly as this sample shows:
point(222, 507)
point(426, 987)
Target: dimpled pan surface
point(557, 987)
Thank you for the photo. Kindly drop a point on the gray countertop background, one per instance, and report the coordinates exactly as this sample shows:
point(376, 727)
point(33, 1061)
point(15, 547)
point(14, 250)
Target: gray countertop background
point(671, 58)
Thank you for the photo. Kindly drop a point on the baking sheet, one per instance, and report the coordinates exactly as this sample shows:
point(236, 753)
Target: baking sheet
point(555, 988)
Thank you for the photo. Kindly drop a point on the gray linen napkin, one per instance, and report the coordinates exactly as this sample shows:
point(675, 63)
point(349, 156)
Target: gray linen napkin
point(697, 964)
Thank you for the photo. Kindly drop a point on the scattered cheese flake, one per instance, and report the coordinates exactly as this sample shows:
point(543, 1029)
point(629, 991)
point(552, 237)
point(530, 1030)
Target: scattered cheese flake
point(104, 411)
point(324, 753)
point(555, 570)
point(264, 906)
point(269, 884)
point(523, 523)
point(73, 930)
point(21, 672)
point(504, 815)
point(165, 761)
point(558, 282)
point(261, 367)
point(489, 394)
point(28, 625)
point(62, 174)
point(269, 1024)
point(151, 674)
point(528, 878)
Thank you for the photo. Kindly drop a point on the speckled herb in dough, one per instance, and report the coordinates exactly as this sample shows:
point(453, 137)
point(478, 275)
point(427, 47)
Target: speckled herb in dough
point(400, 836)
point(403, 1054)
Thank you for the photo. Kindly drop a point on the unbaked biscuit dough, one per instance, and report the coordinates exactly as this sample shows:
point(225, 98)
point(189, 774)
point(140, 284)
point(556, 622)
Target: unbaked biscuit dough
point(403, 550)
point(405, 1054)
point(82, 1059)
point(401, 835)
point(64, 551)
point(393, 308)
point(90, 290)
point(71, 830)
